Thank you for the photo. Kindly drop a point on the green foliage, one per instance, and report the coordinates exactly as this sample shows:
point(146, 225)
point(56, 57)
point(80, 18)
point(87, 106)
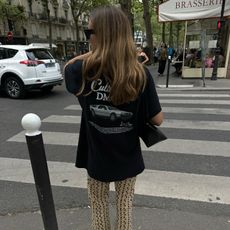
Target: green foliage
point(139, 25)
point(12, 12)
point(80, 6)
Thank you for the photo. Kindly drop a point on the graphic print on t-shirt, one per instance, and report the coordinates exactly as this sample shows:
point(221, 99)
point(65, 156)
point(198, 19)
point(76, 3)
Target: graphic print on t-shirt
point(105, 111)
point(106, 118)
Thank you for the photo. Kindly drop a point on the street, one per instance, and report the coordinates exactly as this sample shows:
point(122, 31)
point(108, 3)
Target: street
point(187, 173)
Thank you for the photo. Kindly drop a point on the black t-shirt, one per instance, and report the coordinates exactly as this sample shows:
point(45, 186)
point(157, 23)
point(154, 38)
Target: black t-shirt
point(109, 145)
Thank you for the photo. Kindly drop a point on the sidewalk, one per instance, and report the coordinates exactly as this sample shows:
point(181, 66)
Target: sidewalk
point(144, 219)
point(175, 82)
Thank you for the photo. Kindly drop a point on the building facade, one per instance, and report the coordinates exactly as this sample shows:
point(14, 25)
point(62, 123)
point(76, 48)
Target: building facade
point(36, 27)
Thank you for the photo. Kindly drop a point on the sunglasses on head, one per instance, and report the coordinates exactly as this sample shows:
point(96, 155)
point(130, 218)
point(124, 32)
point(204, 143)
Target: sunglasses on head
point(88, 33)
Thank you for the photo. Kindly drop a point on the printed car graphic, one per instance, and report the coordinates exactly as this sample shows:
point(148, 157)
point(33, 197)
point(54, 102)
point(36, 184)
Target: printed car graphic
point(109, 112)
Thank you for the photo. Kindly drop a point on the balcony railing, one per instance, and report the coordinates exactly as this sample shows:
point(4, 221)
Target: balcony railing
point(44, 17)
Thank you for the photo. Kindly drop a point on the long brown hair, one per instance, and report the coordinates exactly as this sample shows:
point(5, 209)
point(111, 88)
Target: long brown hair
point(114, 55)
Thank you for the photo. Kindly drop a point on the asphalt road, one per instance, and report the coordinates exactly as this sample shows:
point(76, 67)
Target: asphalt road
point(18, 196)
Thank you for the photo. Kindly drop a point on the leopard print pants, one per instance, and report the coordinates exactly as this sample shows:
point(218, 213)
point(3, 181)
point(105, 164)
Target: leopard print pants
point(99, 199)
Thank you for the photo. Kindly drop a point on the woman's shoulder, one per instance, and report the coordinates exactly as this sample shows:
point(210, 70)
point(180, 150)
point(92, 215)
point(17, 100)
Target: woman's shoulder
point(74, 67)
point(76, 64)
point(147, 72)
point(149, 78)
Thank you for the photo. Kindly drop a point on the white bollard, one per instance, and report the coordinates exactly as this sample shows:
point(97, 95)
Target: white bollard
point(31, 122)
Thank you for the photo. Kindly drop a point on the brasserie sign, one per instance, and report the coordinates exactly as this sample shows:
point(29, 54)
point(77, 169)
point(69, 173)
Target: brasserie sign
point(181, 10)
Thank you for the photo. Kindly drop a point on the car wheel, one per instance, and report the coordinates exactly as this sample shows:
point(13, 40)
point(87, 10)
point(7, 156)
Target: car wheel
point(14, 88)
point(113, 117)
point(47, 89)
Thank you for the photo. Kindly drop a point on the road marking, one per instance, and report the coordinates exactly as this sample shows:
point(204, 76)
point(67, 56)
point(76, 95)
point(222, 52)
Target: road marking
point(193, 95)
point(168, 123)
point(63, 119)
point(180, 146)
point(175, 86)
point(204, 188)
point(184, 110)
point(203, 125)
point(196, 101)
point(196, 110)
point(73, 107)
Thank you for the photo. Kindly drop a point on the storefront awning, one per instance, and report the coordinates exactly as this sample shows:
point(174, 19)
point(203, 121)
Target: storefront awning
point(182, 10)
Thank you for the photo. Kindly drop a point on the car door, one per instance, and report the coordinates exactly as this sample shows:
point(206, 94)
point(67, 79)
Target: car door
point(2, 60)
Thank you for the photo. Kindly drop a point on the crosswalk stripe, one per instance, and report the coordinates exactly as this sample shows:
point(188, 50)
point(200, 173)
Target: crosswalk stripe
point(168, 123)
point(188, 124)
point(73, 107)
point(196, 101)
point(178, 110)
point(193, 95)
point(63, 119)
point(175, 86)
point(204, 188)
point(180, 146)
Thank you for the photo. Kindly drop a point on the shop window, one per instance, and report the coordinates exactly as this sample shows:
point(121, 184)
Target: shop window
point(193, 51)
point(192, 57)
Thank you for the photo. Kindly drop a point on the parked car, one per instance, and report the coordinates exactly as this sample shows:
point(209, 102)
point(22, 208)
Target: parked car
point(109, 112)
point(23, 68)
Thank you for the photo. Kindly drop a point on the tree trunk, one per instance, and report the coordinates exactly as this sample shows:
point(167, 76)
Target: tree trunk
point(177, 35)
point(171, 34)
point(126, 6)
point(50, 30)
point(77, 35)
point(148, 26)
point(163, 32)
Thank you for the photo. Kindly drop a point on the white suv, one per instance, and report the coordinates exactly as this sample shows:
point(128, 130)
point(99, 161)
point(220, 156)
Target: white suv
point(25, 67)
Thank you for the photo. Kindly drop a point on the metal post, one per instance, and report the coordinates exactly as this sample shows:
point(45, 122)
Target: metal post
point(31, 123)
point(215, 67)
point(167, 77)
point(203, 54)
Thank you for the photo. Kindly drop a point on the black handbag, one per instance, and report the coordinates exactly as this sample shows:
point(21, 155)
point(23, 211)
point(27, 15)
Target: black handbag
point(151, 135)
point(148, 132)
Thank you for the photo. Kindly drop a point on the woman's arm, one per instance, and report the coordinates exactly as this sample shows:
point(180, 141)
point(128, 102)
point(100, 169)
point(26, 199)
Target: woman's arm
point(157, 119)
point(145, 56)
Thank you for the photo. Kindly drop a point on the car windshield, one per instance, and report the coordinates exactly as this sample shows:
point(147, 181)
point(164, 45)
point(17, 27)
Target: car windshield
point(39, 54)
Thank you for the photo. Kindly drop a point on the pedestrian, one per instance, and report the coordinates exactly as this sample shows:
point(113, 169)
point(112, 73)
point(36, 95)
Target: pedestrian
point(111, 86)
point(162, 59)
point(141, 55)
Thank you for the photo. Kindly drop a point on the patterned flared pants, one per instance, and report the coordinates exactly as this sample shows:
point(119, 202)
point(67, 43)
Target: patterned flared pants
point(99, 200)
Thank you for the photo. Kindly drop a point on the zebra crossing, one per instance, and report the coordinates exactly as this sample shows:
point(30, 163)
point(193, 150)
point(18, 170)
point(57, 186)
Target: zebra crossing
point(152, 182)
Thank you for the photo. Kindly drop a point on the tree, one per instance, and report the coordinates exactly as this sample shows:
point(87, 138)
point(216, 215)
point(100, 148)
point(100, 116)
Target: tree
point(12, 14)
point(139, 26)
point(149, 34)
point(78, 7)
point(126, 6)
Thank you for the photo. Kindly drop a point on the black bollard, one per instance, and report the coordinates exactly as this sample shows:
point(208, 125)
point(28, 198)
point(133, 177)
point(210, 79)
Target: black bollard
point(168, 68)
point(31, 122)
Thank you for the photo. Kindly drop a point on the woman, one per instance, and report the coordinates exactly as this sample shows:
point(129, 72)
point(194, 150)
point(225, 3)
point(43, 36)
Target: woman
point(111, 86)
point(162, 60)
point(141, 56)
